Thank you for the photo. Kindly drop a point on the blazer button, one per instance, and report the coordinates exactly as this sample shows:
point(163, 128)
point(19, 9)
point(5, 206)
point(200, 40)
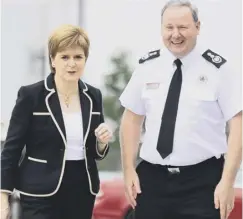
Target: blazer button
point(61, 149)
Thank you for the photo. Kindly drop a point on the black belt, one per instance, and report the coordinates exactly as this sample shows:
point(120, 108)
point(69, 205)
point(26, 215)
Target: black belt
point(178, 169)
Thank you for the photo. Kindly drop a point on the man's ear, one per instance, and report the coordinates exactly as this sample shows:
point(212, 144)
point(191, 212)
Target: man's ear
point(198, 26)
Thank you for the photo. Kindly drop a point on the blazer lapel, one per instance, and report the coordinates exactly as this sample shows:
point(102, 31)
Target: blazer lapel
point(54, 107)
point(86, 108)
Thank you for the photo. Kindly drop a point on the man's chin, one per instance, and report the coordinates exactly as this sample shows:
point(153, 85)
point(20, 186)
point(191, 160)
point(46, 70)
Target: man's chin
point(178, 52)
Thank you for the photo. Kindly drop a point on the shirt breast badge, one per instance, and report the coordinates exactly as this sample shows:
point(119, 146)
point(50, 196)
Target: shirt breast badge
point(152, 86)
point(203, 79)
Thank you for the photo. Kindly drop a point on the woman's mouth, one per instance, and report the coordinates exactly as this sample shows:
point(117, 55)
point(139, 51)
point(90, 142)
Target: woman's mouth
point(71, 72)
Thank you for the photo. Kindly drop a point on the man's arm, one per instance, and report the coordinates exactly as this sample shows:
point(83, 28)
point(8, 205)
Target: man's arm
point(234, 154)
point(130, 132)
point(230, 103)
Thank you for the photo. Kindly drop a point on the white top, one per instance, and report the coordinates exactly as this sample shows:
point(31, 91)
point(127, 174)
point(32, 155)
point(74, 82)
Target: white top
point(209, 97)
point(74, 135)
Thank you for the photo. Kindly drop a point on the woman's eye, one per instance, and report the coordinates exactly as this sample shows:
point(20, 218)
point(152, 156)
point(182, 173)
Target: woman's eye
point(64, 57)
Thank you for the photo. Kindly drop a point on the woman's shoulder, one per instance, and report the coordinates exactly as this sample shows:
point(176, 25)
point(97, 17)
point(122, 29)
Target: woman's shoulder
point(32, 89)
point(34, 86)
point(91, 88)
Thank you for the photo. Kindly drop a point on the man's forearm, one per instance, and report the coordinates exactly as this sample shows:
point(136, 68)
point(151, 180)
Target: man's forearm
point(130, 133)
point(234, 154)
point(129, 146)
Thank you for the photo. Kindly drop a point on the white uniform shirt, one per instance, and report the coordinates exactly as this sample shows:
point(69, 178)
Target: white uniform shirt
point(209, 97)
point(74, 134)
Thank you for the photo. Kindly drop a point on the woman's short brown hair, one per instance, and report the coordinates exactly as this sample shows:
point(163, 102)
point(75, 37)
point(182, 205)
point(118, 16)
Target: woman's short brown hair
point(65, 37)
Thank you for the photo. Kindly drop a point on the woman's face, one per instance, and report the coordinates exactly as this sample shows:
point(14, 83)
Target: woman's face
point(69, 64)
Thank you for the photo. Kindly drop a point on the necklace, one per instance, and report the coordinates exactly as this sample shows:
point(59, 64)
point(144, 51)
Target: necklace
point(66, 98)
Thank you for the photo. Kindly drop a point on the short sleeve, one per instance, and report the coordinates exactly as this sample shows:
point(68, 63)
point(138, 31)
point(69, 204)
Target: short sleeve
point(230, 92)
point(131, 98)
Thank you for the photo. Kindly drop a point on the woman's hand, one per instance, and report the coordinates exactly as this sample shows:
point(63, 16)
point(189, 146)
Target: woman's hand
point(103, 133)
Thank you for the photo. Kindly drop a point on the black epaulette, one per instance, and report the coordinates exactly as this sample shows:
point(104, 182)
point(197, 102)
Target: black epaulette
point(149, 56)
point(214, 58)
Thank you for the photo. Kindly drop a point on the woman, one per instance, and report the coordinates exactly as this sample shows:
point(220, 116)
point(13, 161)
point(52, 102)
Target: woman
point(60, 121)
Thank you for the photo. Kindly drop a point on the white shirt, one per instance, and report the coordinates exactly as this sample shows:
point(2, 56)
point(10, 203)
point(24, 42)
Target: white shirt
point(74, 135)
point(209, 97)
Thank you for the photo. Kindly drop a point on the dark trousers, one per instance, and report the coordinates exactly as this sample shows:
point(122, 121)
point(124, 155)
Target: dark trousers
point(185, 195)
point(72, 201)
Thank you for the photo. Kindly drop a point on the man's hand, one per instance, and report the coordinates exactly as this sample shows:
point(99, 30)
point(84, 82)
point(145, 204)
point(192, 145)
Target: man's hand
point(224, 199)
point(132, 186)
point(4, 205)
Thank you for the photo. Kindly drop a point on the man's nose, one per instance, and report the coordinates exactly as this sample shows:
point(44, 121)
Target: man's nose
point(176, 33)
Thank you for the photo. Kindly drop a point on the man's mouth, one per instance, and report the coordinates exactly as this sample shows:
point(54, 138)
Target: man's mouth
point(177, 42)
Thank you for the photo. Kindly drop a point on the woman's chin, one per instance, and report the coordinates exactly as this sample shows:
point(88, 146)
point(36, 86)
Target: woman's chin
point(72, 78)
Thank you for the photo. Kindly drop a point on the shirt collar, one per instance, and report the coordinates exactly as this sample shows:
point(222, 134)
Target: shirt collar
point(186, 60)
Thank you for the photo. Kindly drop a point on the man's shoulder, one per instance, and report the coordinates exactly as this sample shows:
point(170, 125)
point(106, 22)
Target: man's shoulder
point(149, 56)
point(213, 58)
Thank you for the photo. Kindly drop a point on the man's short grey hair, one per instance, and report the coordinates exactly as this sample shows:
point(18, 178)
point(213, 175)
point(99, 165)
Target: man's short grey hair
point(182, 3)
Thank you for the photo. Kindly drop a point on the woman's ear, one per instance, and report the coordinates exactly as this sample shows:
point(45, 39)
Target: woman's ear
point(52, 62)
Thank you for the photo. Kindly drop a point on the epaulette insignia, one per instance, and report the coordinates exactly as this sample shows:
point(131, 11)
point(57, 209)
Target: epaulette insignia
point(214, 58)
point(150, 55)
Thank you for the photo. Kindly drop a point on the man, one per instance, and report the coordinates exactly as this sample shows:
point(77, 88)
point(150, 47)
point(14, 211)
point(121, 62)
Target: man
point(186, 95)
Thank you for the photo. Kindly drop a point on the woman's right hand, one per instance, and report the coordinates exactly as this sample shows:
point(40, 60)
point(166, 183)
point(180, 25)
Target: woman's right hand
point(4, 205)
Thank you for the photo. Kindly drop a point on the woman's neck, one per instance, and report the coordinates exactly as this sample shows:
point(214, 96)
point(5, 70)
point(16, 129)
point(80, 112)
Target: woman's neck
point(66, 87)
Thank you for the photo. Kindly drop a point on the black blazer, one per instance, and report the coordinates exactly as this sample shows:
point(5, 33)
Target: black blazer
point(37, 123)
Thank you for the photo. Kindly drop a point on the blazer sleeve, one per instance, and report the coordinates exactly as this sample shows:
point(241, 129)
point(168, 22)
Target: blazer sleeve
point(15, 140)
point(101, 155)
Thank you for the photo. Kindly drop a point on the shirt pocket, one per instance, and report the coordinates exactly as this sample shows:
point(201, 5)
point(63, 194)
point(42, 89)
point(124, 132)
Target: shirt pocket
point(200, 103)
point(152, 96)
point(202, 95)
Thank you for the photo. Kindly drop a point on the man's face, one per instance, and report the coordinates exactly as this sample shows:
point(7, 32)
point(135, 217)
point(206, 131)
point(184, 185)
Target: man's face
point(179, 31)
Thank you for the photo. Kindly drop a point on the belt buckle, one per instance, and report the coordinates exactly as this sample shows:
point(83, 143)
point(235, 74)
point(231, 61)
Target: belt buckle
point(175, 170)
